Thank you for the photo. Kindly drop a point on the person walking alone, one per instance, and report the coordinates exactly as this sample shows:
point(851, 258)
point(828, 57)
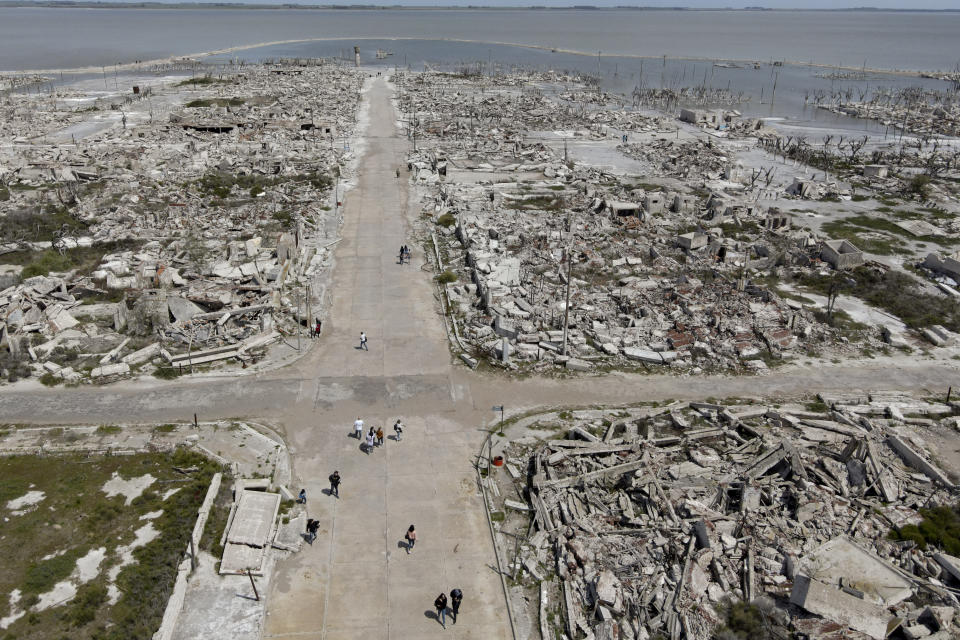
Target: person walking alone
point(379, 436)
point(441, 605)
point(411, 537)
point(335, 484)
point(363, 341)
point(358, 428)
point(455, 597)
point(302, 498)
point(398, 429)
point(370, 439)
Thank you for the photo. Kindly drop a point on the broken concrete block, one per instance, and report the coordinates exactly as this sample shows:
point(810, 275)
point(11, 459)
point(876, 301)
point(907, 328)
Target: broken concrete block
point(843, 608)
point(118, 369)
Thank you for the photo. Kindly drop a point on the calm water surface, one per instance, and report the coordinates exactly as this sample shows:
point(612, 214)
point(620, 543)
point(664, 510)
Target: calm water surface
point(41, 38)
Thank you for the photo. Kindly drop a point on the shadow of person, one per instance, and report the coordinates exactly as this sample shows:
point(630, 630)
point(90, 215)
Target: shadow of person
point(431, 614)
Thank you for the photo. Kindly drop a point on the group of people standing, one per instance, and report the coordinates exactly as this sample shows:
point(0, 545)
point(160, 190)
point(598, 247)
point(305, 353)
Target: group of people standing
point(440, 604)
point(374, 438)
point(404, 254)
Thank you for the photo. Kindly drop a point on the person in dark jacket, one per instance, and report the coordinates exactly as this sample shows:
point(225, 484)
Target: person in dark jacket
point(455, 597)
point(441, 606)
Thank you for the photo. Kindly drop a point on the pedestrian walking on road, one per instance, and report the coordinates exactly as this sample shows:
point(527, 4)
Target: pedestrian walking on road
point(335, 484)
point(411, 537)
point(398, 173)
point(363, 341)
point(398, 429)
point(370, 439)
point(455, 597)
point(401, 254)
point(302, 498)
point(358, 428)
point(380, 436)
point(441, 605)
point(311, 532)
point(316, 328)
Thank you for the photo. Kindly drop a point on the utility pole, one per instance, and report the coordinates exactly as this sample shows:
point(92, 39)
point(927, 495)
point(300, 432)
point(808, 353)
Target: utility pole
point(566, 304)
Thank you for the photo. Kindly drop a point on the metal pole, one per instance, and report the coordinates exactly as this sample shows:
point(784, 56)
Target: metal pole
point(566, 305)
point(254, 585)
point(193, 554)
point(306, 292)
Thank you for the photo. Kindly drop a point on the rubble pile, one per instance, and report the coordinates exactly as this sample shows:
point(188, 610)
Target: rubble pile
point(659, 275)
point(183, 240)
point(655, 519)
point(913, 110)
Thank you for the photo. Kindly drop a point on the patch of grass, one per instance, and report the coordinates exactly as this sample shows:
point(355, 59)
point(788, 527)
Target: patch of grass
point(940, 527)
point(201, 81)
point(215, 102)
point(41, 576)
point(166, 373)
point(446, 220)
point(447, 277)
point(76, 516)
point(50, 380)
point(217, 521)
point(83, 609)
point(108, 429)
point(744, 621)
point(859, 198)
point(165, 428)
point(896, 293)
point(498, 516)
point(82, 259)
point(848, 230)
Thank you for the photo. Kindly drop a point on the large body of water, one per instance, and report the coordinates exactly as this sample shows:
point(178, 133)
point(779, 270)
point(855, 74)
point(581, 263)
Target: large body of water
point(47, 38)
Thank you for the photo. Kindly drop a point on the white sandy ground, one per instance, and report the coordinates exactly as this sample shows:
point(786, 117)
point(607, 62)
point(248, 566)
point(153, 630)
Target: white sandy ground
point(19, 506)
point(168, 493)
point(14, 613)
point(131, 489)
point(144, 535)
point(153, 515)
point(88, 568)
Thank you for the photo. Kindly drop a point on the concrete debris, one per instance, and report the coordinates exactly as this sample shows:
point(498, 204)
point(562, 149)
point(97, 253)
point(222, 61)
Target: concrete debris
point(583, 268)
point(654, 518)
point(201, 224)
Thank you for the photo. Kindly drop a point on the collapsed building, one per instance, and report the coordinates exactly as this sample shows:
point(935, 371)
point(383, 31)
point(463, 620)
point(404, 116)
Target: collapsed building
point(651, 521)
point(180, 240)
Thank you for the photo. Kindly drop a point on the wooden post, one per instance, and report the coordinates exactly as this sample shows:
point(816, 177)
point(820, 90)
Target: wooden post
point(254, 585)
point(949, 391)
point(195, 421)
point(193, 554)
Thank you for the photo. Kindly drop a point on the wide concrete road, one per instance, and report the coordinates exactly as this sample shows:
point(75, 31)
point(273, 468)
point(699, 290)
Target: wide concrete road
point(355, 581)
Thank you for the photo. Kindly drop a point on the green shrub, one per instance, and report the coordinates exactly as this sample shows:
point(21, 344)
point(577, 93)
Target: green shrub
point(166, 373)
point(919, 185)
point(446, 220)
point(41, 576)
point(447, 277)
point(744, 621)
point(85, 605)
point(940, 527)
point(50, 380)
